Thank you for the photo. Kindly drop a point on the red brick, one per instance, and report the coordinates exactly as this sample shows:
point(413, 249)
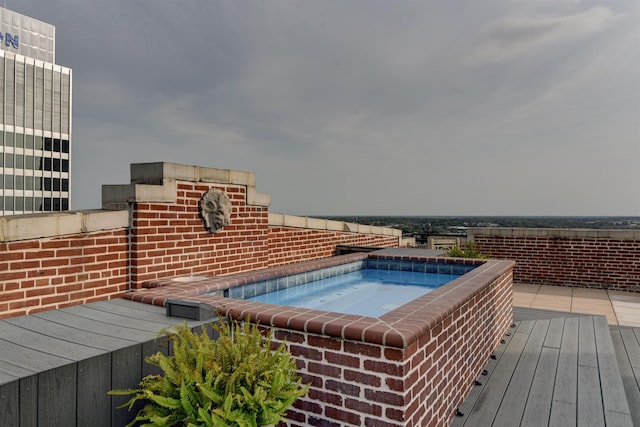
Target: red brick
point(339, 414)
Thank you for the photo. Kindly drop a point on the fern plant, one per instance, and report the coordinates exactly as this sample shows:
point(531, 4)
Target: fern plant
point(235, 380)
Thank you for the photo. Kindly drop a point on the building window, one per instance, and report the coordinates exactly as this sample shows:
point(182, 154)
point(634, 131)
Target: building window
point(8, 160)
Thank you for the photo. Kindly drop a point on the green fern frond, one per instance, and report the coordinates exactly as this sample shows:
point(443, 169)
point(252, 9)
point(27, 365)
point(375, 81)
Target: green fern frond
point(235, 380)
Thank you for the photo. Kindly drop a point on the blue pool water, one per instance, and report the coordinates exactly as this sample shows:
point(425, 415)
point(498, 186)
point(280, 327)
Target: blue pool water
point(367, 292)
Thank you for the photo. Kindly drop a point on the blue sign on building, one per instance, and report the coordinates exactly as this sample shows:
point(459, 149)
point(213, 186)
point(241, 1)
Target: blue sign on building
point(9, 40)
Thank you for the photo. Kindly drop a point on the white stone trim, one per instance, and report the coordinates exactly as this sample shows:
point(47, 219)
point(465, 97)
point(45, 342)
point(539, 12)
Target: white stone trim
point(284, 220)
point(54, 224)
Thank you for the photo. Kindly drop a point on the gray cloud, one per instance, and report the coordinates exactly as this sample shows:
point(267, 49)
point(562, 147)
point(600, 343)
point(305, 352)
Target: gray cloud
point(362, 107)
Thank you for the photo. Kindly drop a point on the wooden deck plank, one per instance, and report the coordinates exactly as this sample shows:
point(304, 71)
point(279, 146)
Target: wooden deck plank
point(587, 343)
point(123, 370)
point(590, 411)
point(10, 404)
point(563, 405)
point(632, 345)
point(576, 381)
point(626, 373)
point(13, 370)
point(67, 333)
point(94, 326)
point(133, 311)
point(136, 305)
point(477, 390)
point(28, 395)
point(143, 325)
point(483, 413)
point(517, 392)
point(554, 334)
point(44, 343)
point(613, 394)
point(94, 381)
point(57, 396)
point(28, 358)
point(538, 407)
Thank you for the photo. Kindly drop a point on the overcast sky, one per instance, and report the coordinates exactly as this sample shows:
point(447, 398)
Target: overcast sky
point(370, 107)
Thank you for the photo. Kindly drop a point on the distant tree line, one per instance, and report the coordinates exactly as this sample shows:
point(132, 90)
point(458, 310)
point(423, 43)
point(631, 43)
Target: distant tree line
point(439, 225)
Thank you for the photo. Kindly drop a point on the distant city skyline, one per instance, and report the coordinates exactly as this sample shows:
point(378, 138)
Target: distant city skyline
point(365, 107)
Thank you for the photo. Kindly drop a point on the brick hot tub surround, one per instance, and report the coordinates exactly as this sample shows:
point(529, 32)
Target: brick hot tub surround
point(410, 367)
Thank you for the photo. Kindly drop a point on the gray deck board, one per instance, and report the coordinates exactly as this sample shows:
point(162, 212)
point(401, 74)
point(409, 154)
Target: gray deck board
point(130, 312)
point(563, 405)
point(629, 379)
point(44, 343)
point(590, 411)
point(559, 371)
point(52, 339)
point(56, 367)
point(94, 326)
point(515, 398)
point(116, 319)
point(67, 333)
point(29, 359)
point(493, 391)
point(613, 393)
point(538, 405)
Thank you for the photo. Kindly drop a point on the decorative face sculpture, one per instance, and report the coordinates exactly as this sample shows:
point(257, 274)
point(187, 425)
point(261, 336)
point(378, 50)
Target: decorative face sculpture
point(215, 209)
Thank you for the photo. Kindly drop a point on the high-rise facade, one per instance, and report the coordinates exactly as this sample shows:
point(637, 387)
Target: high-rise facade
point(35, 118)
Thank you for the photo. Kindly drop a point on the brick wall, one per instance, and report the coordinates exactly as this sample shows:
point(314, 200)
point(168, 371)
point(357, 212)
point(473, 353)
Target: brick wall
point(363, 384)
point(290, 245)
point(50, 272)
point(169, 239)
point(151, 229)
point(607, 259)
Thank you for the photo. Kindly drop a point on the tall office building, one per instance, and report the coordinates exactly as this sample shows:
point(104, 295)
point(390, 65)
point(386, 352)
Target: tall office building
point(35, 118)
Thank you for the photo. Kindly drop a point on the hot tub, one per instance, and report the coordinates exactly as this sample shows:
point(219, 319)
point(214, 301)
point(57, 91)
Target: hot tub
point(412, 366)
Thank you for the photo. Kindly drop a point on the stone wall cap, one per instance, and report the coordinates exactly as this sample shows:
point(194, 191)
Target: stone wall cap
point(564, 233)
point(54, 224)
point(284, 220)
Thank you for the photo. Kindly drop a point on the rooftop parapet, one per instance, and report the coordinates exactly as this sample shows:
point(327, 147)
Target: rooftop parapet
point(283, 220)
point(156, 182)
point(55, 224)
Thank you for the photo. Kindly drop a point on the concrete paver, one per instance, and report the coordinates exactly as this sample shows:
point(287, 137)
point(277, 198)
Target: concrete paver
point(620, 308)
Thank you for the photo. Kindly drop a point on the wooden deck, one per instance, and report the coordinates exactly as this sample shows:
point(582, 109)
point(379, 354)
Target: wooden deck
point(559, 371)
point(554, 368)
point(57, 366)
